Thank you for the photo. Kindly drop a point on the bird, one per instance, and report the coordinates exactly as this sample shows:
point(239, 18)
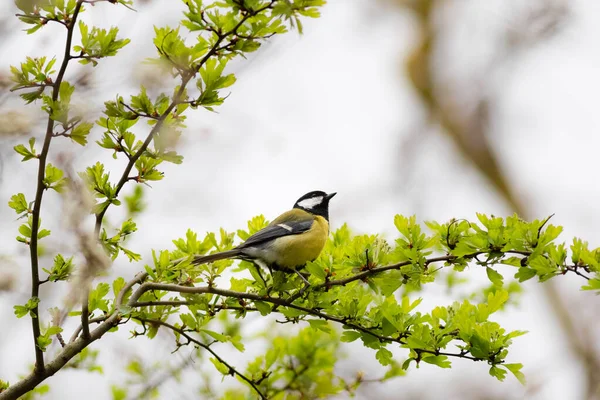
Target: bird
point(290, 241)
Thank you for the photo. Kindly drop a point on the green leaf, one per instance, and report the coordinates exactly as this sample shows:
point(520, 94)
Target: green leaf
point(316, 270)
point(118, 284)
point(132, 256)
point(142, 103)
point(592, 284)
point(98, 43)
point(189, 321)
point(21, 311)
point(496, 278)
point(496, 300)
point(440, 361)
point(498, 373)
point(516, 370)
point(393, 371)
point(222, 368)
point(53, 178)
point(217, 336)
point(350, 336)
point(43, 342)
point(80, 133)
point(407, 306)
point(389, 282)
point(236, 342)
point(524, 274)
point(61, 269)
point(25, 152)
point(384, 356)
point(407, 362)
point(25, 230)
point(135, 368)
point(97, 298)
point(263, 308)
point(18, 203)
point(480, 347)
point(212, 80)
point(118, 393)
point(134, 202)
point(320, 324)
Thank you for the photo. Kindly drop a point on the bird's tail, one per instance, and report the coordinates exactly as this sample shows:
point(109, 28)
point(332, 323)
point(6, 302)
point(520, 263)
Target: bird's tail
point(216, 257)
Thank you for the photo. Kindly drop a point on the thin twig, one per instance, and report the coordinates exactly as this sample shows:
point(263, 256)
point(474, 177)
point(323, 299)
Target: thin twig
point(575, 269)
point(183, 333)
point(42, 86)
point(153, 384)
point(91, 321)
point(45, 19)
point(137, 113)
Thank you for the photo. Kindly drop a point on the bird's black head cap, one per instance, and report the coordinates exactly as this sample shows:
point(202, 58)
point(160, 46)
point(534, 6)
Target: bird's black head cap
point(315, 202)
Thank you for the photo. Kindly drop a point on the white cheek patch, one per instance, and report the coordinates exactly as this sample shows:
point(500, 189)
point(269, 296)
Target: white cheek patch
point(312, 202)
point(286, 227)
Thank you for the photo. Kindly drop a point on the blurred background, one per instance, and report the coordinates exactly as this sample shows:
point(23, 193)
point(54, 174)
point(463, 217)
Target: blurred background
point(439, 108)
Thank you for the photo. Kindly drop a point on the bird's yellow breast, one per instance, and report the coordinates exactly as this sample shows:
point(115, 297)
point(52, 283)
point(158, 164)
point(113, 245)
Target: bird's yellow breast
point(296, 250)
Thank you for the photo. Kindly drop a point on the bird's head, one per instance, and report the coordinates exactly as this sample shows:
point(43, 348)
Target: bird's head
point(316, 202)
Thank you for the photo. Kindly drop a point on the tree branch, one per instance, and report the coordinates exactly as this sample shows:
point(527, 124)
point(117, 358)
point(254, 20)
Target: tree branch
point(183, 333)
point(177, 99)
point(372, 271)
point(79, 328)
point(28, 383)
point(148, 286)
point(35, 221)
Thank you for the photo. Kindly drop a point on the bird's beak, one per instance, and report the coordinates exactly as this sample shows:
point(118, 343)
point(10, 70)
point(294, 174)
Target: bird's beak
point(330, 195)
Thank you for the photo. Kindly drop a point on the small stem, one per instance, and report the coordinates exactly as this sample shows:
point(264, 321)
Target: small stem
point(42, 86)
point(43, 19)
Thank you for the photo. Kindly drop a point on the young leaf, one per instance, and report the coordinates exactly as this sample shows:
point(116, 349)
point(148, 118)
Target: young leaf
point(350, 336)
point(498, 373)
point(222, 368)
point(319, 324)
point(440, 361)
point(217, 336)
point(18, 203)
point(496, 278)
point(21, 311)
point(316, 270)
point(384, 356)
point(516, 370)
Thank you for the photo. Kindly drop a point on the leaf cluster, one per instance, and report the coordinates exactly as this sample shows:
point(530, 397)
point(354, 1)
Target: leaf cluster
point(355, 284)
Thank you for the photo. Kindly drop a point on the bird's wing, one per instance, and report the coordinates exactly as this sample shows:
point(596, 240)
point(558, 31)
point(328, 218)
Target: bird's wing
point(276, 230)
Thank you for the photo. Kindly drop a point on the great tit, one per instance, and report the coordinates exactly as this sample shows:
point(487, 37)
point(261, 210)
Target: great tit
point(289, 241)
